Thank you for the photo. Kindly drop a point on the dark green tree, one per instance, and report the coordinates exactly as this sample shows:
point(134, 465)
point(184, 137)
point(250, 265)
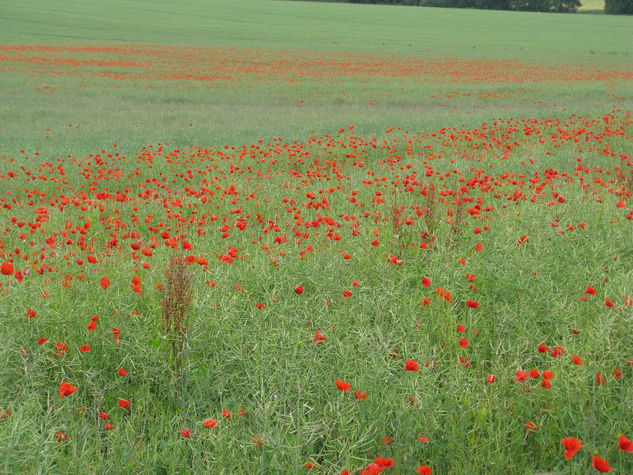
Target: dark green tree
point(618, 7)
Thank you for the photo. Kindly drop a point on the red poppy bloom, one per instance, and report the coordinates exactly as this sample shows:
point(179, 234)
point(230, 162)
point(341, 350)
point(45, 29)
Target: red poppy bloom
point(85, 348)
point(299, 289)
point(463, 342)
point(534, 373)
point(60, 436)
point(490, 378)
point(41, 341)
point(422, 439)
point(123, 403)
point(387, 440)
point(109, 426)
point(342, 385)
point(360, 395)
point(30, 313)
point(411, 365)
point(608, 302)
point(122, 372)
point(209, 422)
point(577, 360)
point(6, 268)
point(572, 445)
point(104, 282)
point(557, 351)
point(472, 303)
point(600, 379)
point(226, 413)
point(521, 376)
point(530, 426)
point(617, 373)
point(384, 462)
point(186, 433)
point(424, 470)
point(104, 415)
point(590, 290)
point(548, 375)
point(461, 328)
point(543, 348)
point(426, 282)
point(601, 464)
point(66, 389)
point(625, 444)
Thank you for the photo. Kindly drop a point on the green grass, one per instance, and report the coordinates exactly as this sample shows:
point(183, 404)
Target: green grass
point(58, 126)
point(319, 26)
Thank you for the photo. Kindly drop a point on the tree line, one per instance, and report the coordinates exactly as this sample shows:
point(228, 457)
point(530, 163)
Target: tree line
point(624, 7)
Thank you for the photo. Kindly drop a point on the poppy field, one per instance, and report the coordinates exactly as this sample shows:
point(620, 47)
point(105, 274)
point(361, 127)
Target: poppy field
point(235, 258)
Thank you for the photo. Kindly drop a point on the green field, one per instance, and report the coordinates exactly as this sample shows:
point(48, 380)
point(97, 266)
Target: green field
point(413, 201)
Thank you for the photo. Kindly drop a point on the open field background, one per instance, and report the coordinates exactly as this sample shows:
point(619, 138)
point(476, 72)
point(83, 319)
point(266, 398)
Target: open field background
point(447, 187)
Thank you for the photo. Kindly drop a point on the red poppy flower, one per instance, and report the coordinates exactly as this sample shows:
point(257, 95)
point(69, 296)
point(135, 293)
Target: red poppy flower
point(360, 395)
point(426, 282)
point(577, 360)
point(625, 444)
point(530, 426)
point(122, 372)
point(60, 436)
point(104, 282)
point(342, 385)
point(109, 426)
point(422, 439)
point(124, 403)
point(66, 389)
point(30, 313)
point(601, 464)
point(226, 413)
point(572, 445)
point(104, 415)
point(41, 341)
point(209, 422)
point(186, 433)
point(387, 440)
point(411, 365)
point(7, 268)
point(543, 348)
point(384, 462)
point(534, 373)
point(472, 303)
point(461, 328)
point(521, 376)
point(299, 289)
point(310, 466)
point(491, 378)
point(319, 337)
point(617, 373)
point(463, 342)
point(590, 290)
point(85, 349)
point(608, 302)
point(557, 351)
point(600, 379)
point(424, 470)
point(546, 383)
point(548, 375)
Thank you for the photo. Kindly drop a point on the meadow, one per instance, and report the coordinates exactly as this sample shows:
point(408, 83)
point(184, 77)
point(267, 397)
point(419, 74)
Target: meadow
point(406, 235)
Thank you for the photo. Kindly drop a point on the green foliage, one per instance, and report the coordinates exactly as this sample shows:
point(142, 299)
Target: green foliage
point(618, 7)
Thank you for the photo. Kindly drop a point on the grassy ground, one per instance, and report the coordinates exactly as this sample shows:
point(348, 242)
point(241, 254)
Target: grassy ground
point(349, 150)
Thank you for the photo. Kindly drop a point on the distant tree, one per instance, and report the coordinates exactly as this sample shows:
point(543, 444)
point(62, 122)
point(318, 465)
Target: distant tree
point(559, 6)
point(618, 7)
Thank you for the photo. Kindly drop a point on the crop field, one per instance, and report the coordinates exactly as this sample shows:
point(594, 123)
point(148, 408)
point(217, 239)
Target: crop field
point(284, 237)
